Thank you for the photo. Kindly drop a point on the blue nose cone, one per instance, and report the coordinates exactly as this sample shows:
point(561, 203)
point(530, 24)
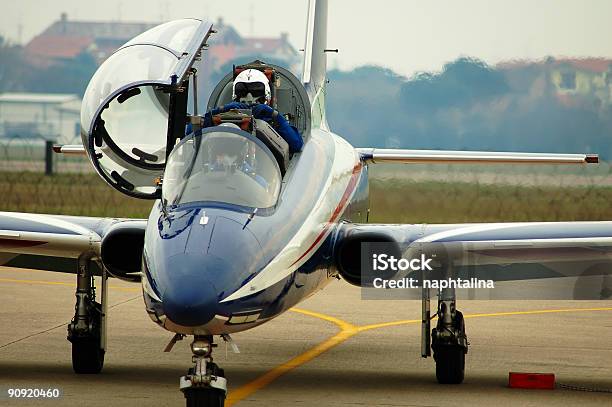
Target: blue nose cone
point(189, 305)
point(190, 300)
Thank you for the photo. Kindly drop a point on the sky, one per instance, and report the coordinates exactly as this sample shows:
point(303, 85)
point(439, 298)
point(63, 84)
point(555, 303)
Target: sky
point(406, 36)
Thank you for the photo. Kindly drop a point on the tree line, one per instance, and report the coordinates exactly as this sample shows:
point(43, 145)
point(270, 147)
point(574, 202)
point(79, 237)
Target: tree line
point(467, 105)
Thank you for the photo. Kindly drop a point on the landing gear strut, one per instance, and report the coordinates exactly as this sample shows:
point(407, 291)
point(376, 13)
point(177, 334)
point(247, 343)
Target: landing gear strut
point(87, 330)
point(449, 341)
point(205, 384)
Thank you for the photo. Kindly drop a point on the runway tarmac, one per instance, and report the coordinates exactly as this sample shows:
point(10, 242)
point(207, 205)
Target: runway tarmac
point(335, 350)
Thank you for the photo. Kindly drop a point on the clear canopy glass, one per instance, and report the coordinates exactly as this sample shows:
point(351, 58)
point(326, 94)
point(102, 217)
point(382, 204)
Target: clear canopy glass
point(174, 34)
point(137, 123)
point(222, 166)
point(133, 64)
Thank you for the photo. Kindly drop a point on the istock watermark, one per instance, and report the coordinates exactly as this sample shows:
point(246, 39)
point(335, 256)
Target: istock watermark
point(391, 270)
point(422, 263)
point(384, 262)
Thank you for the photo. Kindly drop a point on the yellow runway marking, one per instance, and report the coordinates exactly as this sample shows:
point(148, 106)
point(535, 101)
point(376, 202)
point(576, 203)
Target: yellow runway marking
point(343, 325)
point(388, 324)
point(542, 311)
point(264, 380)
point(348, 330)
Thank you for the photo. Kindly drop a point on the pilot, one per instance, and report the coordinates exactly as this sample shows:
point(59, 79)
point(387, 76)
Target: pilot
point(251, 90)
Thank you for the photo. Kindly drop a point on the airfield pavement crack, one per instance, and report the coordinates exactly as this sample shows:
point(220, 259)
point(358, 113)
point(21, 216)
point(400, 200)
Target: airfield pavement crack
point(63, 324)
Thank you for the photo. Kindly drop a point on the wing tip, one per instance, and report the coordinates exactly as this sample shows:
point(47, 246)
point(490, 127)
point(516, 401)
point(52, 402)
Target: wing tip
point(591, 158)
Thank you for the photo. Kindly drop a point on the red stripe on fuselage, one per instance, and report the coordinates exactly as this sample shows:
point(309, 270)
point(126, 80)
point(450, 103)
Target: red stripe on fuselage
point(345, 197)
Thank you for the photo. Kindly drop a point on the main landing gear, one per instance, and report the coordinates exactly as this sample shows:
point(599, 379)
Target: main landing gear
point(87, 330)
point(448, 339)
point(205, 384)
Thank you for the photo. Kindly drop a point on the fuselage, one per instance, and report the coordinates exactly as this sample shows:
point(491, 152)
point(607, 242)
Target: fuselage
point(208, 269)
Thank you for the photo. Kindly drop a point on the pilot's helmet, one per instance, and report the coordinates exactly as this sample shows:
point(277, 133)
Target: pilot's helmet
point(251, 86)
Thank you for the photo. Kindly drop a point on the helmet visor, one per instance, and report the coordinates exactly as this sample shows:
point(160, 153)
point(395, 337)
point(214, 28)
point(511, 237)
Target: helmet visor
point(256, 89)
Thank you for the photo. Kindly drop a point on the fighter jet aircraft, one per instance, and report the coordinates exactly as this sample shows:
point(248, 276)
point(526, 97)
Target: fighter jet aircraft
point(229, 246)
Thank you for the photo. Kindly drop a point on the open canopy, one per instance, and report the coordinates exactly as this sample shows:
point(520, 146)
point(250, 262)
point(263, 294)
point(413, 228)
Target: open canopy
point(135, 105)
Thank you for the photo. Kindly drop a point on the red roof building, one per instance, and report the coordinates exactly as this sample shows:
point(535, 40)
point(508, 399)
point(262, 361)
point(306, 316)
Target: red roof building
point(65, 39)
point(574, 81)
point(595, 65)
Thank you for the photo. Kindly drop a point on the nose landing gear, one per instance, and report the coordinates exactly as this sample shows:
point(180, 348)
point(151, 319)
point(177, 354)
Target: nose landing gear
point(205, 384)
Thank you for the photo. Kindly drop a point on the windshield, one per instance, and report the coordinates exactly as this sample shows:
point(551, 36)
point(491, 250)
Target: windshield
point(222, 166)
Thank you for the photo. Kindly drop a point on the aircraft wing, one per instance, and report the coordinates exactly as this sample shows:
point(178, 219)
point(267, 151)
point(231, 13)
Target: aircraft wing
point(383, 155)
point(55, 243)
point(498, 251)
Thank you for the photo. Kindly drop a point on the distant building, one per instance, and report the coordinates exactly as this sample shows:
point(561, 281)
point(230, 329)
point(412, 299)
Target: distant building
point(40, 116)
point(65, 39)
point(573, 80)
point(227, 45)
point(589, 78)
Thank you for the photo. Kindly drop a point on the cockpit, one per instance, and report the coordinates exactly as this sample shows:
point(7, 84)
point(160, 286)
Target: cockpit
point(137, 104)
point(225, 165)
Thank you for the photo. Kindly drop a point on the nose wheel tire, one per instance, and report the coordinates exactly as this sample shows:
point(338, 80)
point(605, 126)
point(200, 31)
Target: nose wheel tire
point(205, 397)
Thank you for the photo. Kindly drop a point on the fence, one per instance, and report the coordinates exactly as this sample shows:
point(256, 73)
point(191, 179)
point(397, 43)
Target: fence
point(32, 179)
point(399, 193)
